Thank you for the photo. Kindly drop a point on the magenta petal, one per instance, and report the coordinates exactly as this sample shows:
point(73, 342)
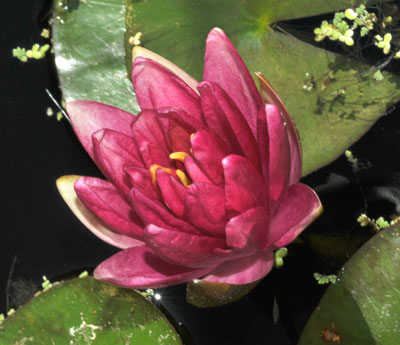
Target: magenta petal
point(205, 208)
point(185, 249)
point(279, 154)
point(140, 179)
point(209, 153)
point(244, 186)
point(224, 66)
point(151, 140)
point(101, 198)
point(298, 208)
point(269, 95)
point(65, 185)
point(182, 118)
point(112, 150)
point(88, 117)
point(141, 268)
point(225, 120)
point(157, 87)
point(249, 230)
point(154, 212)
point(173, 192)
point(196, 174)
point(243, 270)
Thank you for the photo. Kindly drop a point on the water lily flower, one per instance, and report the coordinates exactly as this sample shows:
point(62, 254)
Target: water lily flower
point(202, 184)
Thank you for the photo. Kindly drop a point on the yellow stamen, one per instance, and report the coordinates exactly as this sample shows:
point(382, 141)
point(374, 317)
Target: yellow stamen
point(192, 135)
point(153, 170)
point(179, 156)
point(184, 179)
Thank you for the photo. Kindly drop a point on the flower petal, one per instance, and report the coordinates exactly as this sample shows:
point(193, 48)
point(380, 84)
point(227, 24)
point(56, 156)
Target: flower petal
point(205, 208)
point(249, 230)
point(112, 151)
point(298, 208)
point(138, 51)
point(279, 154)
point(184, 249)
point(157, 87)
point(224, 66)
point(102, 198)
point(244, 186)
point(140, 179)
point(225, 120)
point(173, 192)
point(141, 268)
point(196, 174)
point(65, 185)
point(88, 117)
point(151, 140)
point(269, 95)
point(209, 152)
point(154, 212)
point(243, 270)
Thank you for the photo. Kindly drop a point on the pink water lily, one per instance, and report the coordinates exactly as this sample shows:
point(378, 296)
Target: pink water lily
point(202, 183)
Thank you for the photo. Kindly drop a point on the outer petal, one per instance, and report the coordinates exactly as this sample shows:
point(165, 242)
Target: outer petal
point(298, 208)
point(157, 87)
point(249, 230)
point(244, 186)
point(269, 95)
point(184, 249)
point(279, 154)
point(141, 268)
point(225, 120)
point(102, 198)
point(112, 151)
point(153, 212)
point(224, 66)
point(205, 208)
point(88, 117)
point(65, 185)
point(243, 270)
point(138, 51)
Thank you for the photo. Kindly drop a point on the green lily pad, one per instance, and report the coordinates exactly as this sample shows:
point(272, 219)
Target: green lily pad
point(345, 101)
point(89, 52)
point(363, 307)
point(88, 312)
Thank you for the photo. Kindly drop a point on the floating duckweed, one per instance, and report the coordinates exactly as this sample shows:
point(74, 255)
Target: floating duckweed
point(49, 112)
point(20, 54)
point(350, 14)
point(376, 224)
point(309, 83)
point(84, 274)
point(384, 43)
point(352, 160)
point(325, 279)
point(135, 40)
point(59, 116)
point(10, 312)
point(45, 33)
point(279, 255)
point(46, 284)
point(378, 76)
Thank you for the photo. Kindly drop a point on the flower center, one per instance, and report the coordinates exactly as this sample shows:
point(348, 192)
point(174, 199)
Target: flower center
point(183, 178)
